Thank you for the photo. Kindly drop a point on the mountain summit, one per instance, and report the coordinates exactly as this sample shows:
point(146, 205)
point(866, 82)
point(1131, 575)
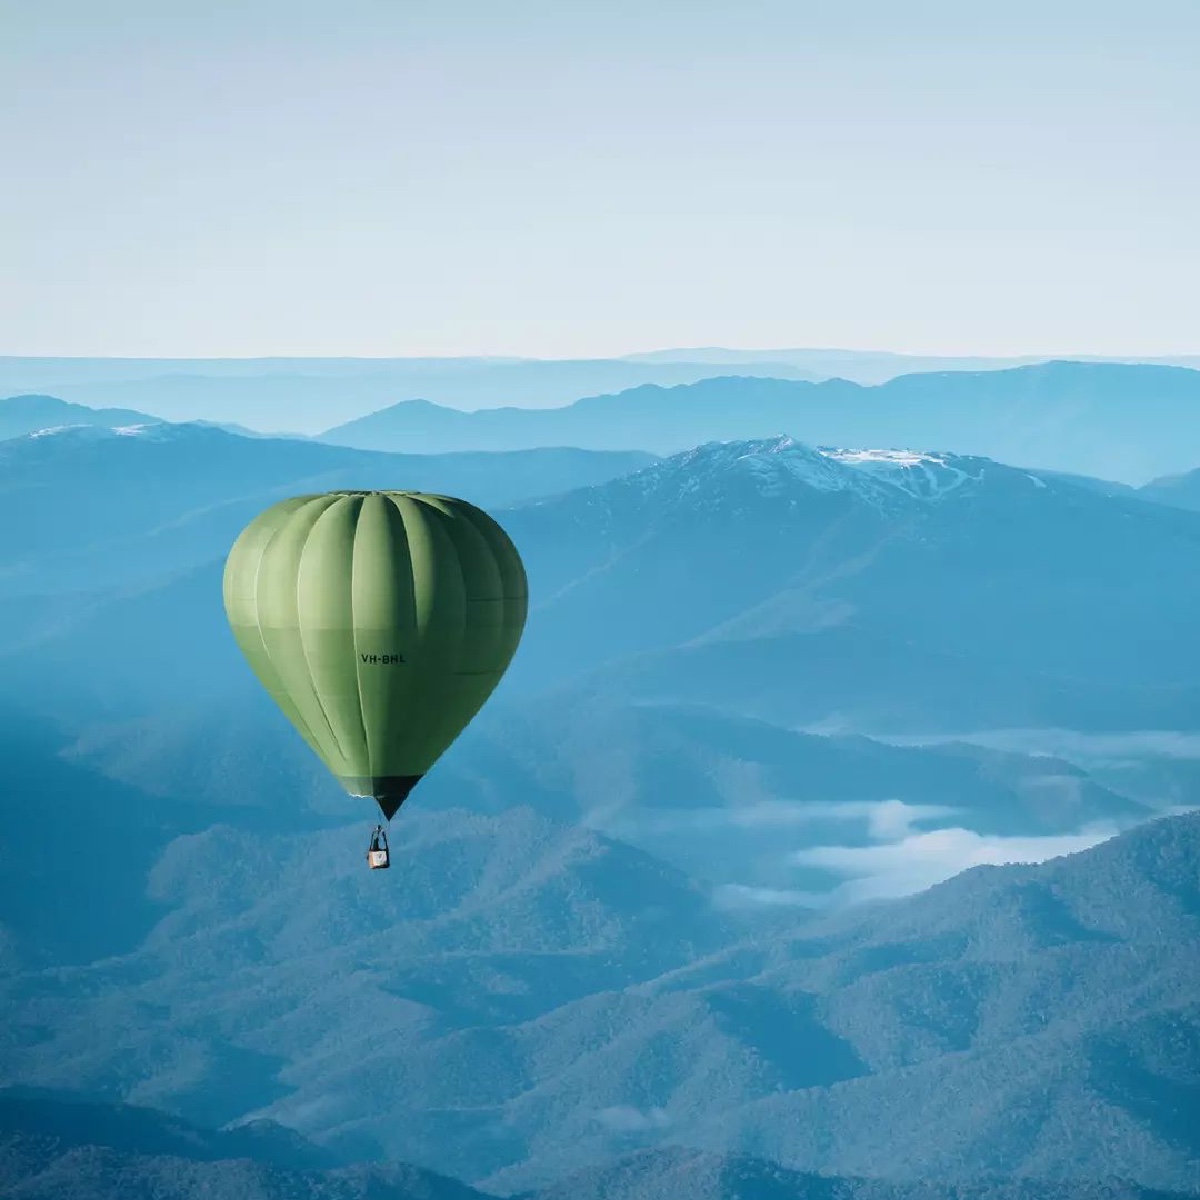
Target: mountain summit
point(777, 466)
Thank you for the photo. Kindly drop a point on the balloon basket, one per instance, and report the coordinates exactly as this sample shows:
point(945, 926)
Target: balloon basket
point(379, 856)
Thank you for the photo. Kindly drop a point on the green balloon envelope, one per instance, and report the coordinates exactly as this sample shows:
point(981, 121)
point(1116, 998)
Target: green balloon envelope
point(379, 622)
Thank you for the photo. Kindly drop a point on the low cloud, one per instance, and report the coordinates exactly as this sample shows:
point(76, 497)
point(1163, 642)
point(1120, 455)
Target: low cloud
point(885, 819)
point(741, 896)
point(900, 857)
point(920, 860)
point(1073, 745)
point(890, 820)
point(626, 1119)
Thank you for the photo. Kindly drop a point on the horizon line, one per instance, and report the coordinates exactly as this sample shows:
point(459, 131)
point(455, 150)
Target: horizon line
point(625, 357)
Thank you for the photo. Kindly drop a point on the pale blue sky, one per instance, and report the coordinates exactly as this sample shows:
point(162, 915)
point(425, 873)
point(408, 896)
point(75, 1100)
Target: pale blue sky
point(376, 178)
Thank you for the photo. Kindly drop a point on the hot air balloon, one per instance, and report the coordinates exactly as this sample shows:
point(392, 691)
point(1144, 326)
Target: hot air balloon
point(380, 623)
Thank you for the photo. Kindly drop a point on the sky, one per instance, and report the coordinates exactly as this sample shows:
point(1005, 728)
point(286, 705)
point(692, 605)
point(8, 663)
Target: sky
point(391, 177)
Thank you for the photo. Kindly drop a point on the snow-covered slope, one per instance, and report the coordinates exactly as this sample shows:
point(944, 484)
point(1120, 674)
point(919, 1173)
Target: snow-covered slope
point(927, 475)
point(732, 474)
point(159, 430)
point(22, 415)
point(756, 565)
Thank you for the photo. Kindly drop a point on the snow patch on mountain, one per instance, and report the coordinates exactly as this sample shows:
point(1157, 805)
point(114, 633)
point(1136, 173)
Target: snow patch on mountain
point(724, 473)
point(735, 477)
point(783, 461)
point(774, 466)
point(156, 431)
point(923, 475)
point(51, 430)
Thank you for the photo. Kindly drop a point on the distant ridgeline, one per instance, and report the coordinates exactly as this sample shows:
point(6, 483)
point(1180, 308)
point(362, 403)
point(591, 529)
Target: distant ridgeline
point(1069, 416)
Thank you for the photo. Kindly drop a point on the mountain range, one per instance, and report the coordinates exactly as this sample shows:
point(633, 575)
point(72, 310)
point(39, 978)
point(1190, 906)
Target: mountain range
point(20, 415)
point(912, 593)
point(684, 912)
point(889, 594)
point(308, 395)
point(143, 499)
point(1071, 417)
point(892, 585)
point(878, 366)
point(843, 593)
point(534, 999)
point(54, 1148)
point(1064, 416)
